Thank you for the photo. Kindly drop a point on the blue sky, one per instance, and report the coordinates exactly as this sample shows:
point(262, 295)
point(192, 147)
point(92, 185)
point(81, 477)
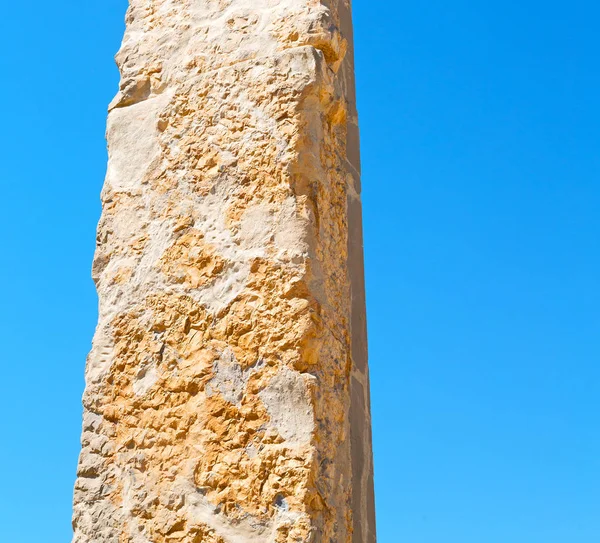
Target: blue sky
point(480, 136)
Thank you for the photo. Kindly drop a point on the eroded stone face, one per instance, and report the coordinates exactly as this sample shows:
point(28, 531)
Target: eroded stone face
point(227, 394)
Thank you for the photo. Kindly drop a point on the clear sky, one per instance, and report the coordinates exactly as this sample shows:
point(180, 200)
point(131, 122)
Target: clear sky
point(480, 137)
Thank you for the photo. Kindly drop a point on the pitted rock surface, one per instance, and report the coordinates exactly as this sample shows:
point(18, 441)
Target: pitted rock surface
point(226, 391)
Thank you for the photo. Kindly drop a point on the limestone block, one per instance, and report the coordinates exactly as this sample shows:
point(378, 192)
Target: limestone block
point(227, 388)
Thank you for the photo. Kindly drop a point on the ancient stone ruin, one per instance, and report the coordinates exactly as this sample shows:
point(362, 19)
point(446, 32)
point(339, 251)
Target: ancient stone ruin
point(227, 391)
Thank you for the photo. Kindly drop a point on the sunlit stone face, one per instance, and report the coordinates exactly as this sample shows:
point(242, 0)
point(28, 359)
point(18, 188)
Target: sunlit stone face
point(227, 390)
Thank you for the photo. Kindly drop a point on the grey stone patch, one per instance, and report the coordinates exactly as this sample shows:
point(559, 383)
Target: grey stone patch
point(197, 509)
point(229, 379)
point(251, 451)
point(145, 380)
point(133, 143)
point(287, 401)
point(101, 357)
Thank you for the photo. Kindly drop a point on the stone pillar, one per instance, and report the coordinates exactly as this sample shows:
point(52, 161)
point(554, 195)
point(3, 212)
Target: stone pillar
point(227, 393)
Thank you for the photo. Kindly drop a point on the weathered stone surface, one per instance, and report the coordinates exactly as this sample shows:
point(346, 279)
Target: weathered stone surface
point(227, 391)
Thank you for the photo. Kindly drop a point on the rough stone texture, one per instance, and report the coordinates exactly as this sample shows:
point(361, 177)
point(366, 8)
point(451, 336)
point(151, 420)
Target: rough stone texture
point(227, 387)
